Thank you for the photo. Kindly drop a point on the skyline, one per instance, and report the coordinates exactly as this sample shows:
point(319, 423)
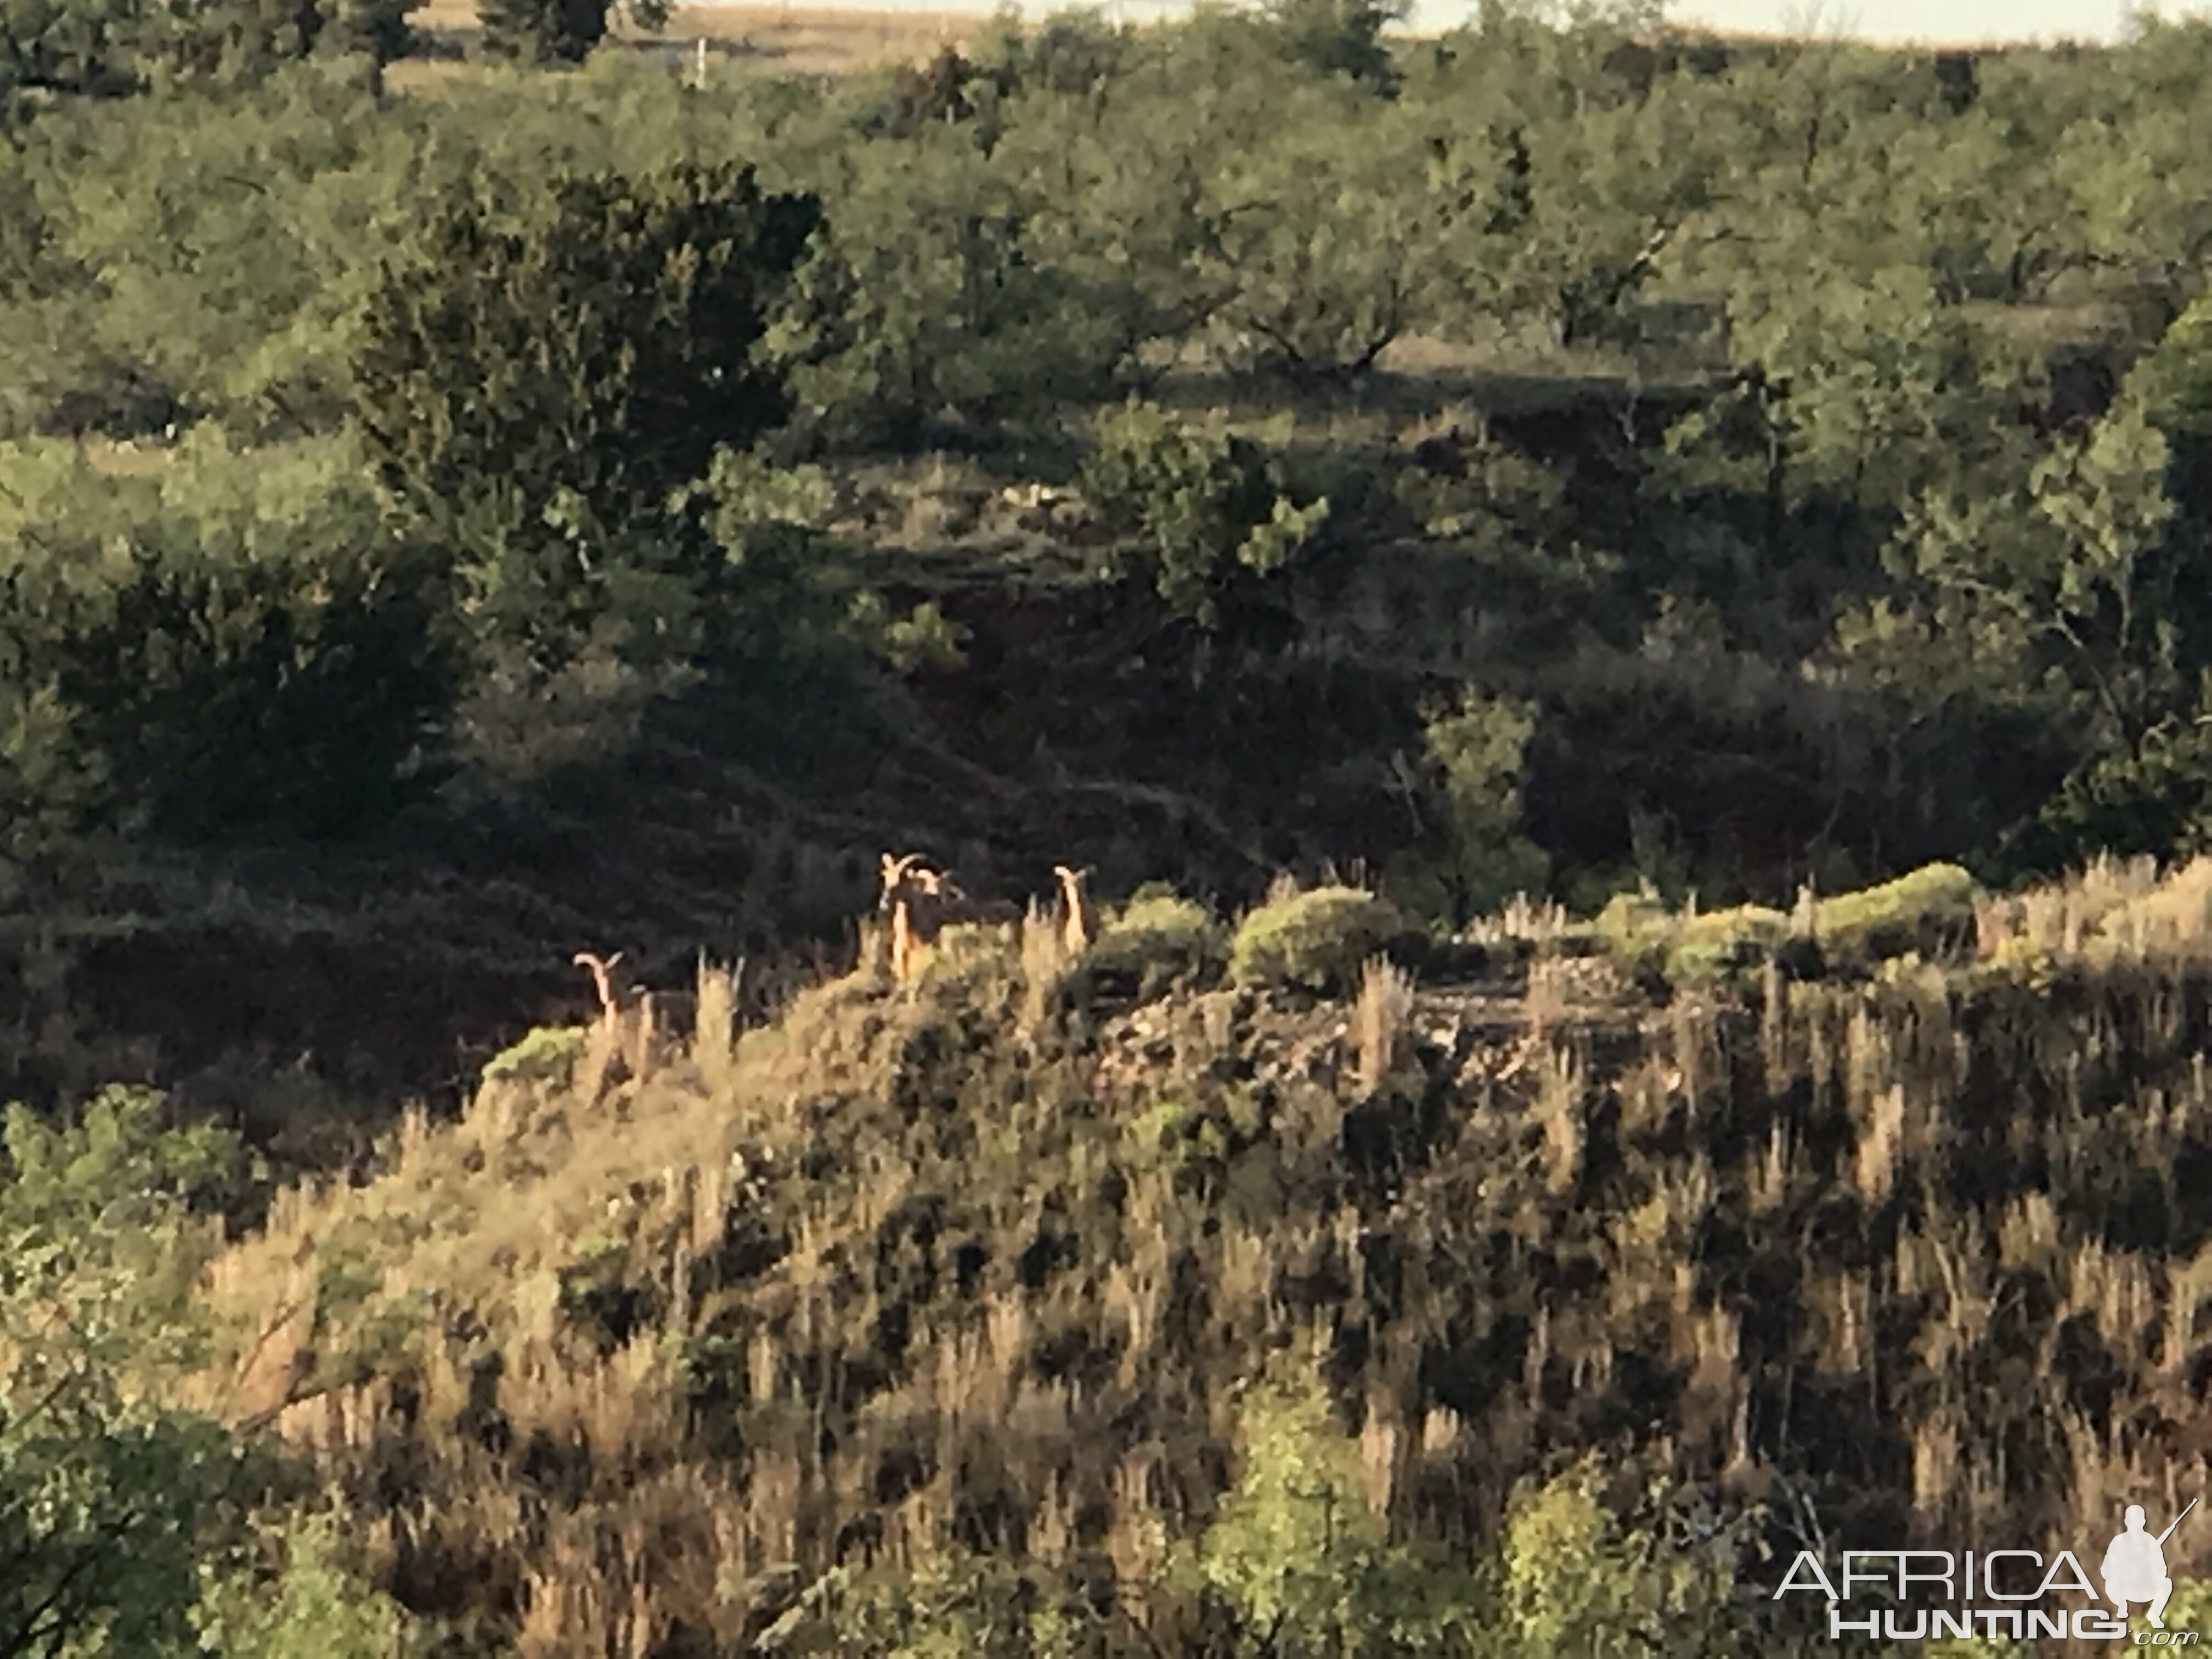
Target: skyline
point(1887, 21)
point(1897, 20)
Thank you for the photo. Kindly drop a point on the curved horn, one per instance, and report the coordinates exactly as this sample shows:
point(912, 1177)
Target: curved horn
point(602, 972)
point(896, 871)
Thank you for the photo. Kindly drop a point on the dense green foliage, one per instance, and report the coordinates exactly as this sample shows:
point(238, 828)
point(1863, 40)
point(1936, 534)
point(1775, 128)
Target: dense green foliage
point(128, 1526)
point(241, 641)
point(1905, 478)
point(534, 395)
point(1203, 503)
point(555, 31)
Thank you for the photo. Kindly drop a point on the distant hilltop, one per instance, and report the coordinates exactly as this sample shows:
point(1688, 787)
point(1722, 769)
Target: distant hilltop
point(902, 25)
point(1985, 47)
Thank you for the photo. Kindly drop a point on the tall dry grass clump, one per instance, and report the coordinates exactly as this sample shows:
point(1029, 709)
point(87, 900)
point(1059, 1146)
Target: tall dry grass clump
point(1536, 921)
point(1768, 1183)
point(1379, 1019)
point(1546, 999)
point(714, 1028)
point(1881, 1138)
point(1047, 950)
point(1559, 1109)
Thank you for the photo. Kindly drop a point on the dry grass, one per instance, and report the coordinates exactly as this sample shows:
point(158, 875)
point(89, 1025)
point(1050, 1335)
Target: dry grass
point(1549, 995)
point(2112, 911)
point(1560, 1107)
point(1386, 1002)
point(1540, 923)
point(126, 457)
point(767, 1205)
point(1046, 958)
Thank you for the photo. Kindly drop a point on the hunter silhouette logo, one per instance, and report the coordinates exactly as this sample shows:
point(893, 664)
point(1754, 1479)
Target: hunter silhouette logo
point(2134, 1566)
point(1999, 1594)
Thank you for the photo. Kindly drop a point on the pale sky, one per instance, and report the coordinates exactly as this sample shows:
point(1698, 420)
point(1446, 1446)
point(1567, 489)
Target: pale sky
point(1943, 20)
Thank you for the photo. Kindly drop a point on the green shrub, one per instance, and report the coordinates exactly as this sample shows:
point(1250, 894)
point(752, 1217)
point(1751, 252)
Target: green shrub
point(548, 1053)
point(1301, 1564)
point(1480, 745)
point(315, 1604)
point(107, 1493)
point(1926, 909)
point(1574, 1579)
point(535, 387)
point(2023, 962)
point(1647, 937)
point(1315, 941)
point(1338, 37)
point(239, 646)
point(1724, 942)
point(2153, 798)
point(1155, 945)
point(1209, 506)
point(924, 304)
point(1187, 1138)
point(1638, 928)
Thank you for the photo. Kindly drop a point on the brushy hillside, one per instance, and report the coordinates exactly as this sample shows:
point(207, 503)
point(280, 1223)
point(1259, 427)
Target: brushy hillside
point(680, 1337)
point(463, 520)
point(1563, 451)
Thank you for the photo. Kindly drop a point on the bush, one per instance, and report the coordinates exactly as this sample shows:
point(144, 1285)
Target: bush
point(535, 387)
point(1628, 918)
point(1928, 910)
point(923, 308)
point(1313, 941)
point(1725, 942)
point(107, 1492)
point(2155, 798)
point(1192, 1141)
point(546, 1055)
point(259, 696)
point(555, 31)
point(1158, 943)
point(315, 1606)
point(1339, 37)
point(1071, 53)
point(105, 49)
point(1299, 1561)
point(2024, 962)
point(1207, 506)
point(1647, 939)
point(1637, 929)
point(1574, 1579)
point(1480, 745)
point(241, 646)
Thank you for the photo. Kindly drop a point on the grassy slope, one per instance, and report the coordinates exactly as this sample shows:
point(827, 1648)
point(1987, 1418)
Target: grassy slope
point(983, 1260)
